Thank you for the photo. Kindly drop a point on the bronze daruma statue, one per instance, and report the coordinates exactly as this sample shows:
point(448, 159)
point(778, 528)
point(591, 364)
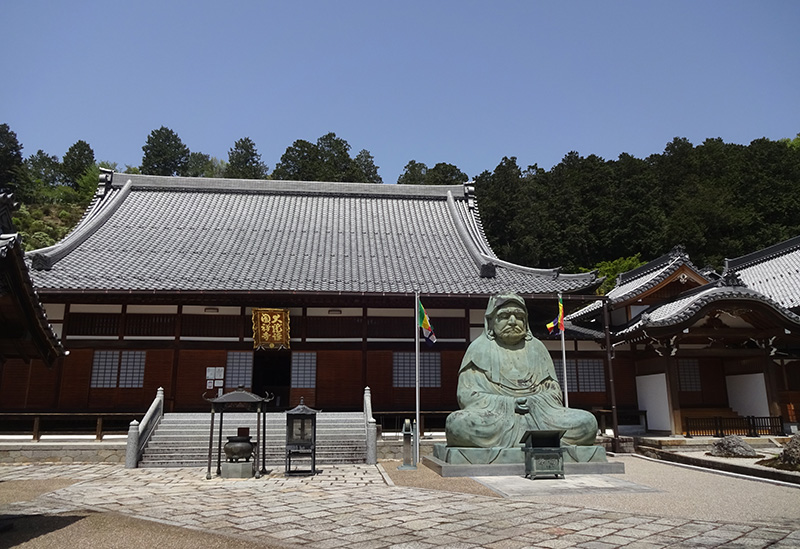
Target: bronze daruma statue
point(507, 385)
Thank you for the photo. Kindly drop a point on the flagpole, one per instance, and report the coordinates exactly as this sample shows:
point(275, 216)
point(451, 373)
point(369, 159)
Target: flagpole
point(563, 353)
point(416, 366)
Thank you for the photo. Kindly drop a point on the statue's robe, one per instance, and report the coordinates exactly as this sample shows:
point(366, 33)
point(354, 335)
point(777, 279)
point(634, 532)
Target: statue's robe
point(491, 378)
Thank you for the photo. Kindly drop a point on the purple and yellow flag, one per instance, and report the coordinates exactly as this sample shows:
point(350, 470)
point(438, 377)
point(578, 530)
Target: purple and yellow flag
point(557, 325)
point(425, 324)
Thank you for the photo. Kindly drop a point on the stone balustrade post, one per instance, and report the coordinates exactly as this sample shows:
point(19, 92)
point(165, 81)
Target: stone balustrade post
point(132, 447)
point(372, 429)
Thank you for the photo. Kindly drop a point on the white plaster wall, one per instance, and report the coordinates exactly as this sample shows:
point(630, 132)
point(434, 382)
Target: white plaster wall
point(652, 393)
point(747, 394)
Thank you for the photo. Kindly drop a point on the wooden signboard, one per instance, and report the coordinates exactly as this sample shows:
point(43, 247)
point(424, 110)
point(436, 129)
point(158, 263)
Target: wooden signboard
point(270, 328)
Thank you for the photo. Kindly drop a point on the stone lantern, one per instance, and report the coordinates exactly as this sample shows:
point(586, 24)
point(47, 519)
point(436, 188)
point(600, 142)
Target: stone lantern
point(301, 438)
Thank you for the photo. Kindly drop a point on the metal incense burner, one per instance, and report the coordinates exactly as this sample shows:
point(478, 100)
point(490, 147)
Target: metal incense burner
point(240, 446)
point(543, 454)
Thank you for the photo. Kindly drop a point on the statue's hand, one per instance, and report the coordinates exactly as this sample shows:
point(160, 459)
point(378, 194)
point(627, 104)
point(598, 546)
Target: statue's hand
point(521, 406)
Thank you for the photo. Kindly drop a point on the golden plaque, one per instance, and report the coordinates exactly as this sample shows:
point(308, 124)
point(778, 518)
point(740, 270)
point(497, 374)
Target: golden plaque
point(270, 328)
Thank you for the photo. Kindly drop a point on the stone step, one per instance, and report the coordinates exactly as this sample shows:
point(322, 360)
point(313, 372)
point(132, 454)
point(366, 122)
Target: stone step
point(279, 456)
point(322, 430)
point(182, 440)
point(174, 448)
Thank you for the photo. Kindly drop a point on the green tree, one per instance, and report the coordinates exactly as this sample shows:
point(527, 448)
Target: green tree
point(326, 160)
point(37, 178)
point(413, 173)
point(417, 173)
point(78, 159)
point(198, 165)
point(636, 222)
point(10, 157)
point(366, 165)
point(44, 168)
point(335, 161)
point(445, 174)
point(87, 183)
point(500, 198)
point(244, 162)
point(217, 167)
point(612, 269)
point(164, 153)
point(300, 162)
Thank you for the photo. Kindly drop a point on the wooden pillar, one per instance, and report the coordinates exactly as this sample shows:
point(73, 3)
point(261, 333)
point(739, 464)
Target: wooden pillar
point(673, 389)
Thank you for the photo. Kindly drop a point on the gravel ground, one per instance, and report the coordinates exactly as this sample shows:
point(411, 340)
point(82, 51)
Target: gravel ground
point(688, 492)
point(423, 477)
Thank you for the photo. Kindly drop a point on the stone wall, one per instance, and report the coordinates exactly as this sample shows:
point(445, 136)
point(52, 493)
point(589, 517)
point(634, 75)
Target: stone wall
point(62, 452)
point(393, 449)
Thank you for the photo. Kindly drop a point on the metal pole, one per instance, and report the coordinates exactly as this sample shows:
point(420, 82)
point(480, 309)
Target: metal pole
point(263, 412)
point(210, 443)
point(609, 358)
point(563, 355)
point(219, 444)
point(416, 356)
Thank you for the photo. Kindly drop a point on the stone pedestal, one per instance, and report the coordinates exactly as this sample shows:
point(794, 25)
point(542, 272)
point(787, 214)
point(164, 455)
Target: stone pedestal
point(238, 469)
point(451, 461)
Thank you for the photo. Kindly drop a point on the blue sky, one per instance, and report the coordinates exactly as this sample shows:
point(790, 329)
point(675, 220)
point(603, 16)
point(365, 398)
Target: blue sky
point(436, 81)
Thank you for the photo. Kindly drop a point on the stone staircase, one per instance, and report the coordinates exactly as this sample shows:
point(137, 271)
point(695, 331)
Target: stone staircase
point(181, 439)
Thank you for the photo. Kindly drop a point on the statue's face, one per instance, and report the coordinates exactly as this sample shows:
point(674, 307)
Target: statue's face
point(510, 324)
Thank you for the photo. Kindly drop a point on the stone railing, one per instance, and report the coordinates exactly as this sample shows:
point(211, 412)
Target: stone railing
point(372, 429)
point(139, 433)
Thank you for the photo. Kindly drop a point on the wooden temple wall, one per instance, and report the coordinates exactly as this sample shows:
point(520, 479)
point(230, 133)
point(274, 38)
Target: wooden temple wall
point(353, 348)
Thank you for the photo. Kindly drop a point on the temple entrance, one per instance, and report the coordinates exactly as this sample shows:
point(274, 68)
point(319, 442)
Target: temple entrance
point(272, 372)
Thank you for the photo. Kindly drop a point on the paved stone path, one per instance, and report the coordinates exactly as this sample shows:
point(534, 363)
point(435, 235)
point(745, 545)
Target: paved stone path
point(352, 506)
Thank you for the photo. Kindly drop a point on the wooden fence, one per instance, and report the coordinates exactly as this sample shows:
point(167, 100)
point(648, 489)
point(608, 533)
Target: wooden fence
point(750, 426)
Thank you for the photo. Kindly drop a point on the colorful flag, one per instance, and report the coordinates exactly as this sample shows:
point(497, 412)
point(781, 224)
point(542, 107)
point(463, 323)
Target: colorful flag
point(557, 326)
point(425, 324)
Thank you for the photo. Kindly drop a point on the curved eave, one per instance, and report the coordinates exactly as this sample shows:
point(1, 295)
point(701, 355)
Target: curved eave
point(634, 288)
point(99, 212)
point(654, 322)
point(470, 229)
point(36, 338)
point(766, 254)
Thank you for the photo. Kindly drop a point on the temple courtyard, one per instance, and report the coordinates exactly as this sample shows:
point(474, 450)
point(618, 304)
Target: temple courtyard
point(653, 504)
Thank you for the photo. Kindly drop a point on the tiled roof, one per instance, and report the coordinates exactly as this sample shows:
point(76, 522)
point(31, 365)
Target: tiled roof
point(686, 306)
point(24, 329)
point(189, 234)
point(770, 276)
point(639, 280)
point(773, 271)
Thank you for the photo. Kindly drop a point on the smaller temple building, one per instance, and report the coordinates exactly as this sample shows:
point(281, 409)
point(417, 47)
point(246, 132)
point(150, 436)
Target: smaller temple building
point(690, 343)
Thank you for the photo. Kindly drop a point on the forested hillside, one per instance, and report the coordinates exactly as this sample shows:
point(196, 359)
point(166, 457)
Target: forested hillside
point(717, 199)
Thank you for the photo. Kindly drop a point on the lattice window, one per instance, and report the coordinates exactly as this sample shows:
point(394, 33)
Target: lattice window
point(404, 370)
point(586, 375)
point(591, 375)
point(689, 374)
point(105, 367)
point(131, 369)
point(239, 369)
point(111, 369)
point(304, 370)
